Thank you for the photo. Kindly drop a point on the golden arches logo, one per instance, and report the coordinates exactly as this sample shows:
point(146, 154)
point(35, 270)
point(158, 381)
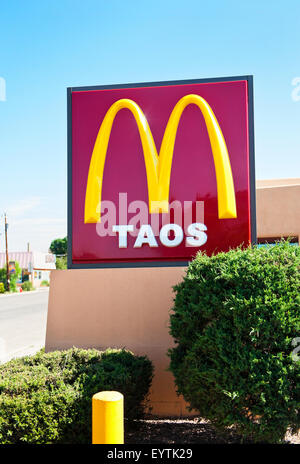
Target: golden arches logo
point(158, 167)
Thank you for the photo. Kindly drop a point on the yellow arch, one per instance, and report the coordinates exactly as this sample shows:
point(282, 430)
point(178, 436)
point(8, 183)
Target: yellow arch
point(225, 187)
point(159, 168)
point(94, 184)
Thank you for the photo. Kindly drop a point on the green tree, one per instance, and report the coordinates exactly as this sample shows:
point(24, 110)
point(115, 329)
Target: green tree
point(13, 278)
point(59, 246)
point(61, 262)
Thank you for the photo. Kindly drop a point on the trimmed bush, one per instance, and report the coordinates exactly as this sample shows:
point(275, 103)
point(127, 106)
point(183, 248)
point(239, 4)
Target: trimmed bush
point(27, 286)
point(45, 283)
point(47, 398)
point(2, 287)
point(234, 320)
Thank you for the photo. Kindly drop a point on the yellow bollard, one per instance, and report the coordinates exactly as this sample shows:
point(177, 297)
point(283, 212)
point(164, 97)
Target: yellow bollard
point(108, 418)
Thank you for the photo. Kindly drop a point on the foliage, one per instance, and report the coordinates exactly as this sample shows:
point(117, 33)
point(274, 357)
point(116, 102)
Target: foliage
point(45, 283)
point(2, 288)
point(234, 320)
point(27, 286)
point(47, 398)
point(3, 275)
point(13, 278)
point(59, 246)
point(61, 263)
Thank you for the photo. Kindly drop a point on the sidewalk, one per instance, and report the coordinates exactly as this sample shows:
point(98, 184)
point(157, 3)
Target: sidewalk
point(23, 323)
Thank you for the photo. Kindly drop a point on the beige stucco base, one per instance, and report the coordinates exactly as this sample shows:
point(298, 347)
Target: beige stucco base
point(277, 207)
point(101, 308)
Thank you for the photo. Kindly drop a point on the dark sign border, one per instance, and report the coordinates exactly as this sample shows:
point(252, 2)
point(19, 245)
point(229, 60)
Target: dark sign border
point(129, 264)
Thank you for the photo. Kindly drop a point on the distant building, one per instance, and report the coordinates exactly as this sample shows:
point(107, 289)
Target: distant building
point(35, 265)
point(277, 210)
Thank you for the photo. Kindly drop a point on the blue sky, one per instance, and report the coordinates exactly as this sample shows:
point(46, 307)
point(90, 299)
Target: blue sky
point(50, 45)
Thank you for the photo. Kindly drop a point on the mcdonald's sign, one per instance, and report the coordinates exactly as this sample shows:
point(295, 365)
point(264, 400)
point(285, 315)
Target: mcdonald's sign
point(159, 171)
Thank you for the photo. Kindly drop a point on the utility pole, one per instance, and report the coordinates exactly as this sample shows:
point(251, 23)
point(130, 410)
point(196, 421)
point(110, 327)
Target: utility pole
point(6, 250)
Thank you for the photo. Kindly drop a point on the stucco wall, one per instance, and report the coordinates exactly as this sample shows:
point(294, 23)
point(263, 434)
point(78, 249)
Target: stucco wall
point(278, 208)
point(129, 308)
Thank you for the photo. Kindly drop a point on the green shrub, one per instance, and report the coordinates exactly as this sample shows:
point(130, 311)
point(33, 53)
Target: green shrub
point(45, 283)
point(2, 288)
point(27, 286)
point(234, 319)
point(47, 398)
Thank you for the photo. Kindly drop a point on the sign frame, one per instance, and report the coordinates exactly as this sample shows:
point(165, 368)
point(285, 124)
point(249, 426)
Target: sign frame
point(248, 78)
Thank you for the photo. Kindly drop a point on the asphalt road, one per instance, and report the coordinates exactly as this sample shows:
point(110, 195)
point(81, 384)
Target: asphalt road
point(23, 319)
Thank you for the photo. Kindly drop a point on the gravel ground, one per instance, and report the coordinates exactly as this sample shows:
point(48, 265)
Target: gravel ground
point(185, 431)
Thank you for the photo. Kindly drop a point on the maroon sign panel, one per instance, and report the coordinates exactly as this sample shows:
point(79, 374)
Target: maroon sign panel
point(160, 171)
